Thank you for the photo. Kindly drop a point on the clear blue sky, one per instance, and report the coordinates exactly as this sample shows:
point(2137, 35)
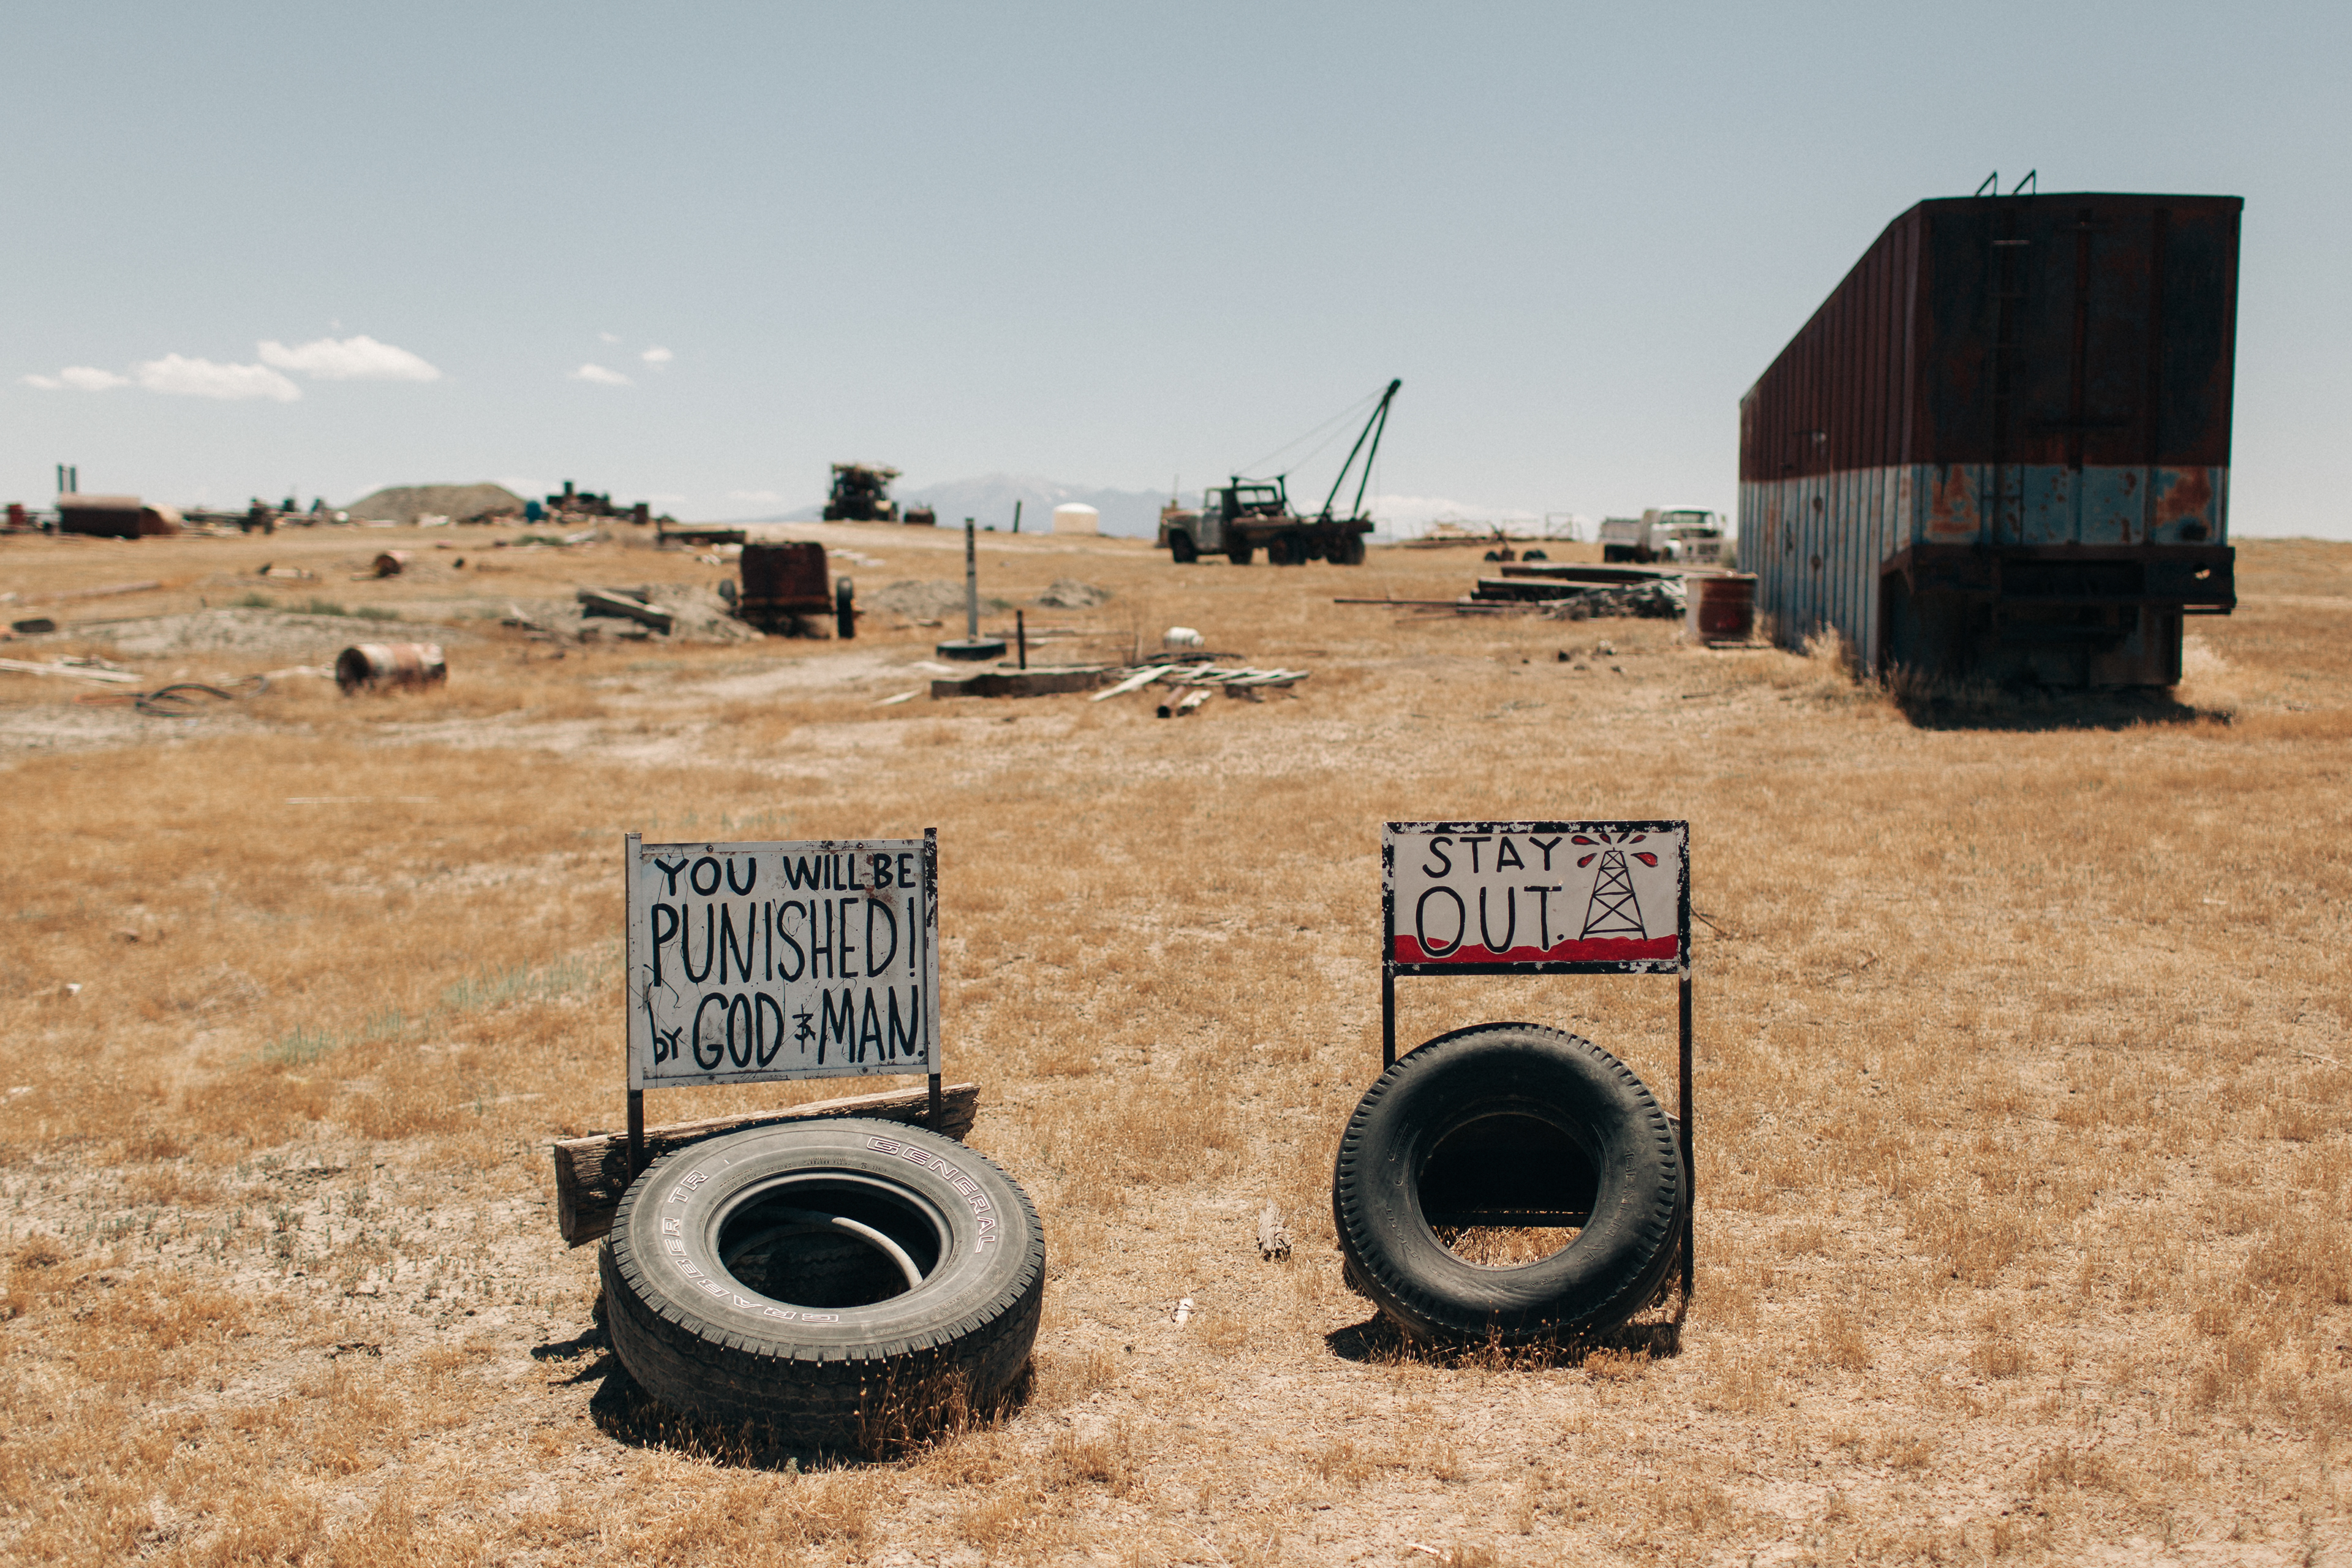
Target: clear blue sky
point(1106, 244)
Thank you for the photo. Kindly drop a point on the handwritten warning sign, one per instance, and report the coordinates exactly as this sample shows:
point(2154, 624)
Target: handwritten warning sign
point(748, 962)
point(1558, 897)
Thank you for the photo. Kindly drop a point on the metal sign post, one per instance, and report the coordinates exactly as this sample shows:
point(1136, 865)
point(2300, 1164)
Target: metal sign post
point(1541, 898)
point(816, 959)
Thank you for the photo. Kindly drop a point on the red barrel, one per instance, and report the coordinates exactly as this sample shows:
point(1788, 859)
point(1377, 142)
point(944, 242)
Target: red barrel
point(1721, 607)
point(373, 664)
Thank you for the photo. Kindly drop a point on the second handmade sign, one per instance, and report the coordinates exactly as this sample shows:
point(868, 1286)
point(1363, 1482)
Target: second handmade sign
point(1560, 897)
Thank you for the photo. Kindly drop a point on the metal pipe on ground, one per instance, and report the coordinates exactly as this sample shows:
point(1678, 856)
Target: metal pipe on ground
point(366, 666)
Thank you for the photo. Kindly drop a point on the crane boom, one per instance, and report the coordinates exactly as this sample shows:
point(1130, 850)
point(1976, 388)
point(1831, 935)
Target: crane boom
point(1373, 429)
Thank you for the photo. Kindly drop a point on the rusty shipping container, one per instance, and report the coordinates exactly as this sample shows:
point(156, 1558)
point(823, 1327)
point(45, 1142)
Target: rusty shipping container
point(2001, 448)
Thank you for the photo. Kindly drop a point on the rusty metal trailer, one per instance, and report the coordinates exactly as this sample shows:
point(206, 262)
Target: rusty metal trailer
point(2000, 449)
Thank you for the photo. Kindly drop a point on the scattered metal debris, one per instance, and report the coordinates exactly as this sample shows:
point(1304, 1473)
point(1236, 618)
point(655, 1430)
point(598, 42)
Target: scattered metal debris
point(180, 700)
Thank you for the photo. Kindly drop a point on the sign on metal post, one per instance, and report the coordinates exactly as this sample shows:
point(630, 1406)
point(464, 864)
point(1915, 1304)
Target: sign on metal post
point(756, 962)
point(1539, 898)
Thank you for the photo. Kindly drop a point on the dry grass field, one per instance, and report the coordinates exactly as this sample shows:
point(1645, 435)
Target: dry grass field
point(2024, 1156)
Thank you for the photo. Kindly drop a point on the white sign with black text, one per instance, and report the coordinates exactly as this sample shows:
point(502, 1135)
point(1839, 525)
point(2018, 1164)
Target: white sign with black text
point(1559, 896)
point(748, 962)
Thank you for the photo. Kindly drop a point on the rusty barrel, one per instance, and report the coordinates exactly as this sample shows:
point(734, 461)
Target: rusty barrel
point(370, 665)
point(1721, 606)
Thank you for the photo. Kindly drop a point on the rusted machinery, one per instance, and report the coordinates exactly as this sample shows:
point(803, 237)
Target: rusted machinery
point(861, 493)
point(784, 586)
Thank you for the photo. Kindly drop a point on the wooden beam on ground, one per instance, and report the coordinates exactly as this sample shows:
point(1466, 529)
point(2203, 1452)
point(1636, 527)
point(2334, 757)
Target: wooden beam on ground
point(601, 602)
point(1135, 683)
point(593, 1172)
point(1021, 682)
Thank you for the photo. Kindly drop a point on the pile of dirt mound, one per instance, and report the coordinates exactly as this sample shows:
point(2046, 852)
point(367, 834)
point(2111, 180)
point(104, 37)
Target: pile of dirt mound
point(406, 503)
point(1070, 594)
point(702, 615)
point(926, 601)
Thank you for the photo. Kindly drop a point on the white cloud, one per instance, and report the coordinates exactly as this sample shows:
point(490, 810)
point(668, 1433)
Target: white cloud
point(657, 356)
point(185, 377)
point(79, 377)
point(753, 495)
point(349, 359)
point(600, 375)
point(610, 337)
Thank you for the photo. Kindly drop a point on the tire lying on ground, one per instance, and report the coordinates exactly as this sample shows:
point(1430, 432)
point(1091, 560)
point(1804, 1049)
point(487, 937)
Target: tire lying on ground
point(1500, 1117)
point(848, 1283)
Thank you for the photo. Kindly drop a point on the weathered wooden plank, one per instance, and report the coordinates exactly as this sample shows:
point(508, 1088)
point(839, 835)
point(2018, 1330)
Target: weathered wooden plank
point(1021, 682)
point(593, 1172)
point(1135, 683)
point(604, 602)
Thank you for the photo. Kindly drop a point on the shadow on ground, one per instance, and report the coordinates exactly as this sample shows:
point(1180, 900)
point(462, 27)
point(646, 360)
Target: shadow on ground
point(2031, 710)
point(1376, 1341)
point(624, 1412)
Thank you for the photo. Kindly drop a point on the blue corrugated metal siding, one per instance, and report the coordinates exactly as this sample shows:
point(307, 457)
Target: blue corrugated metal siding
point(1817, 543)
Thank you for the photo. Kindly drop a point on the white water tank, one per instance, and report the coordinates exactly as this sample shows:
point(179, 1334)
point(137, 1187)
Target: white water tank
point(1077, 517)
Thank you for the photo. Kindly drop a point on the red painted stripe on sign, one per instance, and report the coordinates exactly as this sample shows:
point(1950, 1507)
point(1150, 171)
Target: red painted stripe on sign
point(1601, 949)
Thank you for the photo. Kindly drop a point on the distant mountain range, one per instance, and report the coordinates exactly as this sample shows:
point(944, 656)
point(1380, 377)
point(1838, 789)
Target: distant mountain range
point(988, 500)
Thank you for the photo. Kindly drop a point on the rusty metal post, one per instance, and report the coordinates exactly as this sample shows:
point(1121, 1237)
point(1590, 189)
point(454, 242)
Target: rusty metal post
point(637, 1134)
point(971, 588)
point(1021, 634)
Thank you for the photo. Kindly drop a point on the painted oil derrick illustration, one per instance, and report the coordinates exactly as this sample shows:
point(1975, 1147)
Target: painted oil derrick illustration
point(1614, 911)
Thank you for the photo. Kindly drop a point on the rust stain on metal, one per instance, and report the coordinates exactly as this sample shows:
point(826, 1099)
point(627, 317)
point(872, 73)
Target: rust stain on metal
point(2188, 495)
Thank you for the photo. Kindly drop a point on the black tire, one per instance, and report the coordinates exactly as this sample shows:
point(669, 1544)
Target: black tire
point(1348, 549)
point(1616, 1263)
point(1240, 554)
point(1180, 546)
point(845, 610)
point(875, 1363)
